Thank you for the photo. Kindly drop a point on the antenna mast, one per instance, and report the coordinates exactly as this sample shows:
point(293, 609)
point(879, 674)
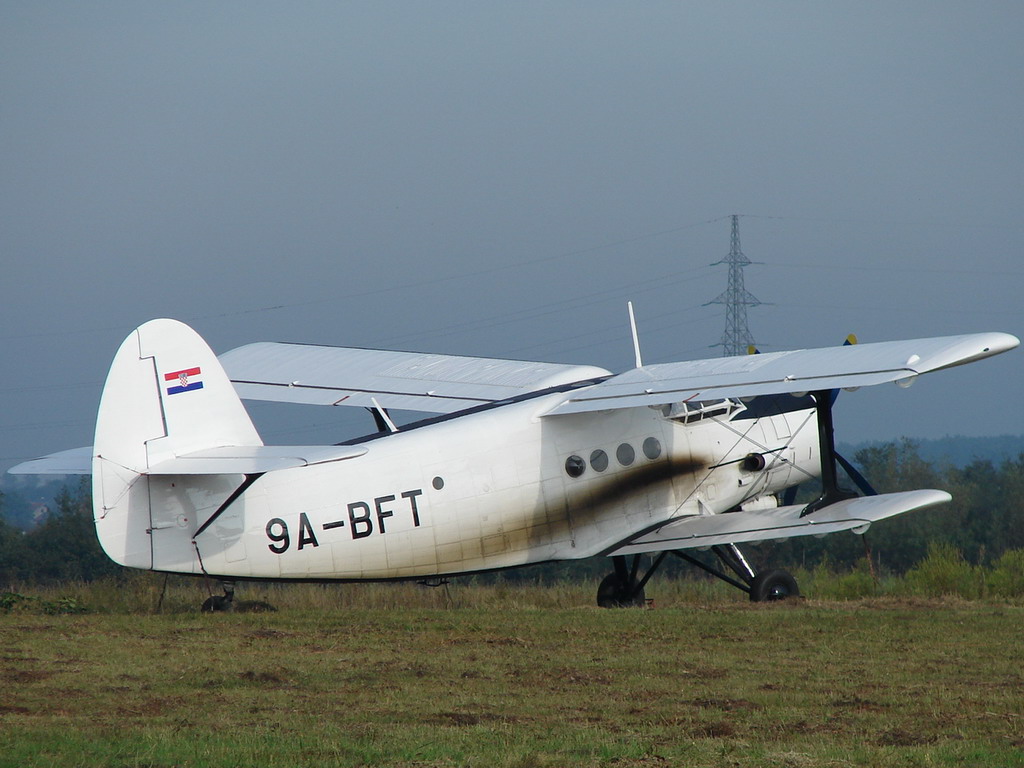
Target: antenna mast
point(736, 298)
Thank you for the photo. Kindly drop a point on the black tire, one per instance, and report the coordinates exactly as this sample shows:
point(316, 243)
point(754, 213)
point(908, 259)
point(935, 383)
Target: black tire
point(613, 592)
point(217, 603)
point(773, 585)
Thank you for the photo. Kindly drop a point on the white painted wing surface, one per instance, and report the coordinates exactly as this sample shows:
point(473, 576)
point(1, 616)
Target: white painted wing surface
point(781, 372)
point(319, 375)
point(226, 460)
point(252, 459)
point(780, 523)
point(76, 461)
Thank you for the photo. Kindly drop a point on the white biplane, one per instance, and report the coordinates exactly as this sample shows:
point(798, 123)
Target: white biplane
point(524, 463)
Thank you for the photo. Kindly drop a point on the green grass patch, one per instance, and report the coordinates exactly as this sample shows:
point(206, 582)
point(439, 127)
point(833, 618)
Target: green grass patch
point(506, 676)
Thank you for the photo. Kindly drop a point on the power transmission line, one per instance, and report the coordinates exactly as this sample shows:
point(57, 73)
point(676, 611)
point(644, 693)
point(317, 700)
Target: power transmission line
point(737, 337)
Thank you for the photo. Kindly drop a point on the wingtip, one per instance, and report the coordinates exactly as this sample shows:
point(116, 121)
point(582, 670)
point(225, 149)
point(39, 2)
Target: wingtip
point(970, 349)
point(1003, 342)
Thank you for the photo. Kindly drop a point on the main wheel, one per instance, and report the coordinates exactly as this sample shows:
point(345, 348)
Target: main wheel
point(773, 585)
point(615, 592)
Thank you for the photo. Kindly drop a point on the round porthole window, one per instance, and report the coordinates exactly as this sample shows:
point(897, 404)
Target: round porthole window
point(574, 466)
point(625, 454)
point(652, 448)
point(599, 460)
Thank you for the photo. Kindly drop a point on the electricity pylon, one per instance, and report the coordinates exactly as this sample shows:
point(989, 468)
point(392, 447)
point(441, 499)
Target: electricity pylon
point(737, 337)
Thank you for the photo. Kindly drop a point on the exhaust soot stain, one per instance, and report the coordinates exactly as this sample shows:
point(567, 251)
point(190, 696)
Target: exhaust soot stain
point(623, 484)
point(589, 496)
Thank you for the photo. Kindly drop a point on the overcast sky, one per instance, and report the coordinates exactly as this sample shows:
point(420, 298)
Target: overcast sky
point(500, 178)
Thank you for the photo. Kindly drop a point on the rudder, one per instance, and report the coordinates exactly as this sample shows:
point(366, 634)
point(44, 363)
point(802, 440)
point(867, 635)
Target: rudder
point(166, 395)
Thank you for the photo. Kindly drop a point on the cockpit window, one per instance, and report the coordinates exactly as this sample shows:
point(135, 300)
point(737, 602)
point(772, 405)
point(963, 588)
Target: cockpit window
point(698, 410)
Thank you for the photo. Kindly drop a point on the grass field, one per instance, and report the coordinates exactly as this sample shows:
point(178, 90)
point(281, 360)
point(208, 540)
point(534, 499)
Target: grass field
point(503, 676)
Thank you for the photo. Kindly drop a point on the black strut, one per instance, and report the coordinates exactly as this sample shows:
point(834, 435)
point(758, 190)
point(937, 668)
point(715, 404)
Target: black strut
point(628, 573)
point(830, 490)
point(249, 480)
point(710, 569)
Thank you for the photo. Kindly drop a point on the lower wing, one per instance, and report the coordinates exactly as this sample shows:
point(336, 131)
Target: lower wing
point(780, 523)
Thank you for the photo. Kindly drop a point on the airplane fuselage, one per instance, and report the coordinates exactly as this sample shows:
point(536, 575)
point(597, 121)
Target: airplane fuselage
point(527, 463)
point(473, 492)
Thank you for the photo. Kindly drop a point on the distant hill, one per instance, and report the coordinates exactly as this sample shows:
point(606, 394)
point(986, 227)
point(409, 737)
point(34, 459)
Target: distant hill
point(956, 450)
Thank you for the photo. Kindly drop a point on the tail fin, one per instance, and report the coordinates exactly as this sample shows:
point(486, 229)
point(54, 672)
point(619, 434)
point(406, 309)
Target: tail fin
point(166, 395)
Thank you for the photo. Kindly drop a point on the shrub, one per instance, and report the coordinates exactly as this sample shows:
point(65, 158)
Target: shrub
point(1006, 579)
point(944, 571)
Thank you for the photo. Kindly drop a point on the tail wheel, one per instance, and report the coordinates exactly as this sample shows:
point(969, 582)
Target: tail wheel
point(216, 604)
point(773, 585)
point(617, 592)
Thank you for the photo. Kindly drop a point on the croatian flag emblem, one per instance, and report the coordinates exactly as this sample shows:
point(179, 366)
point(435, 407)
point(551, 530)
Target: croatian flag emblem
point(185, 380)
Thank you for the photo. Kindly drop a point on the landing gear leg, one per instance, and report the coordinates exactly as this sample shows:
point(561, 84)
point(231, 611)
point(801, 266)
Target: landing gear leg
point(225, 602)
point(761, 586)
point(621, 588)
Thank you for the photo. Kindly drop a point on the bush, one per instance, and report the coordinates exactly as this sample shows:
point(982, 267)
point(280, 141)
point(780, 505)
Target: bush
point(944, 571)
point(852, 585)
point(14, 602)
point(1006, 579)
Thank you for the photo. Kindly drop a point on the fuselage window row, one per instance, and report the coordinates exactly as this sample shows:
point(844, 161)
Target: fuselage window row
point(576, 465)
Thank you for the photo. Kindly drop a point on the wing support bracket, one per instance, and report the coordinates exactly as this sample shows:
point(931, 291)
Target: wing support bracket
point(683, 555)
point(831, 492)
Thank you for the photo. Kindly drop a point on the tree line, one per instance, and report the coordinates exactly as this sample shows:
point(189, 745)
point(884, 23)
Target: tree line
point(984, 520)
point(62, 548)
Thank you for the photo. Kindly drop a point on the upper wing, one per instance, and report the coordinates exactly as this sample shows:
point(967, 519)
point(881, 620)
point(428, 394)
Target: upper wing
point(780, 523)
point(303, 373)
point(781, 372)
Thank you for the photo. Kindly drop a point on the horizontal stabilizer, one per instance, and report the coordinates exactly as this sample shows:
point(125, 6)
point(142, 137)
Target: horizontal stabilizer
point(321, 375)
point(245, 460)
point(253, 459)
point(780, 523)
point(76, 461)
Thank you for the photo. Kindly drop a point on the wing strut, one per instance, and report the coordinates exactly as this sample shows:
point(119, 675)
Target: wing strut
point(830, 490)
point(683, 555)
point(380, 415)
